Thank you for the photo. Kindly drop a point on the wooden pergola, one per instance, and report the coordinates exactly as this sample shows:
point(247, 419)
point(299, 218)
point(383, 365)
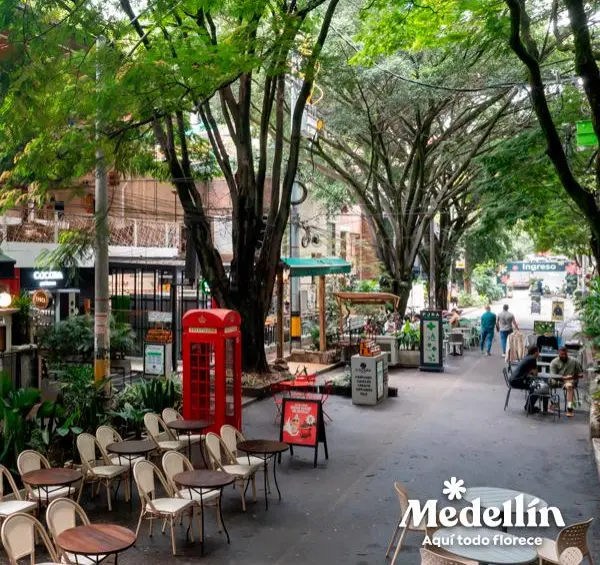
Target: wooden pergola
point(373, 298)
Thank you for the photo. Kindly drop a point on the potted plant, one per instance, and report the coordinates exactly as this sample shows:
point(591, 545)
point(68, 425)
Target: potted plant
point(409, 339)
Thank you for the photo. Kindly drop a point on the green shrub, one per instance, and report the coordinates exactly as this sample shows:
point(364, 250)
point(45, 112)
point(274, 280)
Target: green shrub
point(466, 300)
point(588, 307)
point(73, 339)
point(408, 337)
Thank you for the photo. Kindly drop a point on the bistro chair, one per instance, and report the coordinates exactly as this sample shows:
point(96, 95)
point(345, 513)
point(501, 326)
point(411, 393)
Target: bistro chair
point(434, 558)
point(100, 470)
point(507, 381)
point(169, 507)
point(571, 556)
point(19, 534)
point(170, 415)
point(174, 462)
point(16, 503)
point(160, 434)
point(231, 436)
point(277, 395)
point(456, 341)
point(574, 535)
point(221, 459)
point(30, 460)
point(107, 435)
point(63, 514)
point(400, 530)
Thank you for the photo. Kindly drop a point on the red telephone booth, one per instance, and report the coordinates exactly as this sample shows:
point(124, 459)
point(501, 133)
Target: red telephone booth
point(212, 367)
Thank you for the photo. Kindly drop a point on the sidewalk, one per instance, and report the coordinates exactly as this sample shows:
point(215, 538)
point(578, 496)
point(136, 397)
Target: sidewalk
point(344, 512)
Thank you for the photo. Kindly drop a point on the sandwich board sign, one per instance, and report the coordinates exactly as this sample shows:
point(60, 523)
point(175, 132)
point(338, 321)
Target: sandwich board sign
point(302, 424)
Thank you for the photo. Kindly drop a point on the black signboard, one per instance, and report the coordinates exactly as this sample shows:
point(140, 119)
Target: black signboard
point(432, 341)
point(302, 424)
point(32, 279)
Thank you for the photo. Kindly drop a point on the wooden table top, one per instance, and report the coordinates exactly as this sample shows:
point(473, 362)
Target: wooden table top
point(189, 425)
point(262, 446)
point(201, 478)
point(492, 497)
point(96, 539)
point(51, 477)
point(493, 554)
point(134, 447)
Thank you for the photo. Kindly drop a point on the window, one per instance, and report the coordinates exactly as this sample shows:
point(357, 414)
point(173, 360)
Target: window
point(343, 239)
point(331, 230)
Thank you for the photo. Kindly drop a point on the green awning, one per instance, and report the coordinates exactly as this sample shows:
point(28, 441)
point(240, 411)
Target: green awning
point(313, 267)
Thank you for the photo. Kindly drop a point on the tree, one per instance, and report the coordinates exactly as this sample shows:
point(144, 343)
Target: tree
point(406, 151)
point(575, 39)
point(453, 220)
point(559, 37)
point(228, 63)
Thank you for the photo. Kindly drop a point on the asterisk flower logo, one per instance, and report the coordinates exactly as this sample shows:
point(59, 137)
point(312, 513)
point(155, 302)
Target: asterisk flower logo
point(454, 488)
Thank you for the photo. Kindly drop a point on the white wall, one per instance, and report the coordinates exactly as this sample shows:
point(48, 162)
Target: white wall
point(26, 254)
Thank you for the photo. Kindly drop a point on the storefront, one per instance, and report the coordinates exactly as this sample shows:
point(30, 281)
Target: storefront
point(66, 292)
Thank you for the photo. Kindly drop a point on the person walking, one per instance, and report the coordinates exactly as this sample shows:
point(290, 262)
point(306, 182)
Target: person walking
point(505, 324)
point(488, 323)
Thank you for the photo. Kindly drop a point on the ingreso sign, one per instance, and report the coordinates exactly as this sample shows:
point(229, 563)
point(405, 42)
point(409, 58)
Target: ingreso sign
point(536, 266)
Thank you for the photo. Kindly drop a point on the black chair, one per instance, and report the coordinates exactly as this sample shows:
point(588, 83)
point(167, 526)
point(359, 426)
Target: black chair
point(541, 393)
point(507, 381)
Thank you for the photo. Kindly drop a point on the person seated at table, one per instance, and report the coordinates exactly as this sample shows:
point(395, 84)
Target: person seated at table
point(454, 318)
point(523, 375)
point(571, 370)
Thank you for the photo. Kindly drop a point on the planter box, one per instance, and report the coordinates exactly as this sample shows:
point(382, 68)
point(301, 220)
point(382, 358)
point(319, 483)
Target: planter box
point(346, 391)
point(595, 420)
point(389, 345)
point(409, 359)
point(261, 391)
point(328, 357)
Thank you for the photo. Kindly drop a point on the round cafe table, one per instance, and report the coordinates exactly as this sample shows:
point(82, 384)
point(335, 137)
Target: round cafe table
point(489, 554)
point(96, 541)
point(201, 480)
point(492, 497)
point(49, 480)
point(265, 449)
point(188, 427)
point(130, 450)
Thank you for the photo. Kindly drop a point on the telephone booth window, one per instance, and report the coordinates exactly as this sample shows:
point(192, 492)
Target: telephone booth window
point(230, 375)
point(202, 379)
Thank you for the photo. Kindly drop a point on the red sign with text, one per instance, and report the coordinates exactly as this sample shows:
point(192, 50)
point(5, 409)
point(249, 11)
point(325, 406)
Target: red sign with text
point(299, 422)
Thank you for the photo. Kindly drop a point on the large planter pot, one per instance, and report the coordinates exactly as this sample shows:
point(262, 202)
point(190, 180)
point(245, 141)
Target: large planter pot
point(409, 359)
point(595, 420)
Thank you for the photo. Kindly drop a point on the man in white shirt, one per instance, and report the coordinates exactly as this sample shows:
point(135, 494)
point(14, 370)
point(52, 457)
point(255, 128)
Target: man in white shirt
point(505, 324)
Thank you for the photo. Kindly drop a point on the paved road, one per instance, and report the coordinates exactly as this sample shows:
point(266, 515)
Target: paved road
point(343, 512)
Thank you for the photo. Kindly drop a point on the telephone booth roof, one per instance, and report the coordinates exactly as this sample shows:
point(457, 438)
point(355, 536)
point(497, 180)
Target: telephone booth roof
point(215, 318)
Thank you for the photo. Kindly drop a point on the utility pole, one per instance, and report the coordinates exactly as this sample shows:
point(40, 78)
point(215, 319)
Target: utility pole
point(432, 304)
point(295, 313)
point(101, 294)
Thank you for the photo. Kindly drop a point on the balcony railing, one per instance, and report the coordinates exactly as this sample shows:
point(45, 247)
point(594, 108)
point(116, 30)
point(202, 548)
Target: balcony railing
point(123, 231)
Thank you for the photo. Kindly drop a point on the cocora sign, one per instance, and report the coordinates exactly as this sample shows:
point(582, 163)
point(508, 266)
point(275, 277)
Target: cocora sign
point(48, 278)
point(536, 266)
